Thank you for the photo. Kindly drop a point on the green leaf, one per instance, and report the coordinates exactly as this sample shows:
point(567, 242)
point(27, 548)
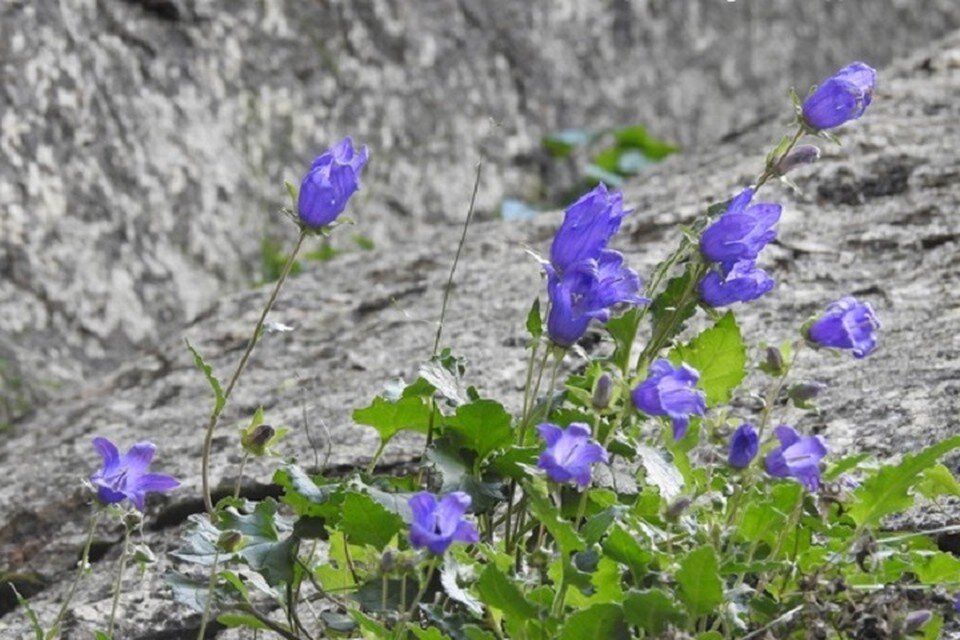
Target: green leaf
point(294, 192)
point(625, 549)
point(675, 301)
point(497, 591)
point(365, 521)
point(207, 371)
point(561, 144)
point(444, 374)
point(699, 580)
point(637, 137)
point(935, 567)
point(534, 320)
point(240, 620)
point(889, 490)
point(938, 481)
point(482, 426)
point(652, 610)
point(623, 330)
point(390, 418)
point(597, 621)
point(562, 531)
point(262, 547)
point(719, 355)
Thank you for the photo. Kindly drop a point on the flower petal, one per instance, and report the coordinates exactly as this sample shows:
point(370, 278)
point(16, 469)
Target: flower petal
point(108, 451)
point(138, 458)
point(155, 482)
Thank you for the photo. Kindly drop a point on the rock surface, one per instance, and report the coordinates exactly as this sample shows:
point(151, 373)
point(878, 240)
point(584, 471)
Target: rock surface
point(144, 143)
point(876, 217)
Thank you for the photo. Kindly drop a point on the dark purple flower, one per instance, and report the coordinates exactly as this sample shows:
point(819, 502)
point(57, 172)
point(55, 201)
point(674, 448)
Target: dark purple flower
point(797, 457)
point(802, 154)
point(742, 282)
point(586, 291)
point(744, 444)
point(671, 391)
point(847, 324)
point(741, 232)
point(125, 477)
point(587, 227)
point(570, 453)
point(333, 177)
point(842, 97)
point(436, 525)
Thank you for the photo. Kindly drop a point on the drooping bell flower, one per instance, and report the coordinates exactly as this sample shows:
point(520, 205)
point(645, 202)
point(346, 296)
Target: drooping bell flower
point(587, 227)
point(797, 457)
point(847, 324)
point(438, 524)
point(333, 177)
point(125, 477)
point(570, 453)
point(742, 282)
point(741, 232)
point(672, 392)
point(744, 445)
point(842, 97)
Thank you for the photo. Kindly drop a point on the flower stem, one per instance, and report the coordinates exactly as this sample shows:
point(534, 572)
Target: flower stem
point(401, 625)
point(117, 583)
point(211, 585)
point(84, 564)
point(251, 343)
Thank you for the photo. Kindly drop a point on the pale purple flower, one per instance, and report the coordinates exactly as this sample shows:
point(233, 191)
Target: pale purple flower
point(587, 227)
point(333, 177)
point(125, 477)
point(672, 392)
point(847, 324)
point(741, 232)
point(842, 97)
point(742, 282)
point(570, 453)
point(744, 444)
point(797, 457)
point(438, 524)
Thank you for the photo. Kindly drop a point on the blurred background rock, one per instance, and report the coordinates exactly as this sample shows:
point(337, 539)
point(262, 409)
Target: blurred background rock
point(144, 143)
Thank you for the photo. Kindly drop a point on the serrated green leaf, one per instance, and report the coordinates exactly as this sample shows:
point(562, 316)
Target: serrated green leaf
point(623, 330)
point(534, 320)
point(365, 521)
point(597, 621)
point(207, 370)
point(390, 418)
point(935, 567)
point(653, 610)
point(482, 426)
point(623, 547)
point(938, 481)
point(699, 578)
point(497, 591)
point(720, 356)
point(889, 489)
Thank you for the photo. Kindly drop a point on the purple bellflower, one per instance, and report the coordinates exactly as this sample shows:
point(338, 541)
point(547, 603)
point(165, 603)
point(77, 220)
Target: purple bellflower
point(438, 524)
point(797, 457)
point(844, 96)
point(741, 232)
point(333, 177)
point(847, 324)
point(744, 444)
point(587, 227)
point(586, 291)
point(671, 391)
point(125, 477)
point(570, 453)
point(742, 282)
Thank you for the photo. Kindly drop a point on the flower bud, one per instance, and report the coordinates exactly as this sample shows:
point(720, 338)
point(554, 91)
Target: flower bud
point(804, 391)
point(916, 619)
point(678, 506)
point(229, 541)
point(844, 96)
point(602, 392)
point(328, 185)
point(256, 440)
point(801, 155)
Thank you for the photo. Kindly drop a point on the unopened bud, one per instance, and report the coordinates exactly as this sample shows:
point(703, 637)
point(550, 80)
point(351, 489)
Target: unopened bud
point(916, 619)
point(678, 506)
point(388, 561)
point(602, 392)
point(801, 155)
point(773, 361)
point(229, 541)
point(806, 391)
point(256, 441)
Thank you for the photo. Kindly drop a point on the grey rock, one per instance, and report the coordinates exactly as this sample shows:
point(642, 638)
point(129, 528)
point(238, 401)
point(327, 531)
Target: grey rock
point(143, 144)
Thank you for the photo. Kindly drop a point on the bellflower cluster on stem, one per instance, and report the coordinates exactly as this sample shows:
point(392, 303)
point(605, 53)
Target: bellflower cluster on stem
point(844, 96)
point(333, 177)
point(439, 523)
point(570, 453)
point(125, 477)
point(847, 324)
point(671, 391)
point(797, 457)
point(733, 243)
point(584, 278)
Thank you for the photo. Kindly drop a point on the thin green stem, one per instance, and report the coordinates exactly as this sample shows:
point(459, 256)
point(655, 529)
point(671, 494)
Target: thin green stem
point(211, 585)
point(84, 564)
point(401, 625)
point(376, 457)
point(251, 343)
point(118, 582)
point(770, 170)
point(239, 484)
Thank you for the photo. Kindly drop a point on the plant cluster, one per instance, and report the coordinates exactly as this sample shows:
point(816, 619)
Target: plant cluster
point(627, 499)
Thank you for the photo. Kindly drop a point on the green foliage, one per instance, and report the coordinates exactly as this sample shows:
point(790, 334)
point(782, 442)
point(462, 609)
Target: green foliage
point(699, 580)
point(207, 370)
point(391, 417)
point(483, 426)
point(719, 355)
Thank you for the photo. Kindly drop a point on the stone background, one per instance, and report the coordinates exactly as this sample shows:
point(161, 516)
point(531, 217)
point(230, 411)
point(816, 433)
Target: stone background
point(135, 191)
